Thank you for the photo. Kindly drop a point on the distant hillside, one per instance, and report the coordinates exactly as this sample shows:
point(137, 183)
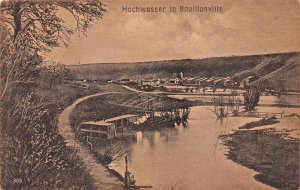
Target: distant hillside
point(285, 77)
point(237, 66)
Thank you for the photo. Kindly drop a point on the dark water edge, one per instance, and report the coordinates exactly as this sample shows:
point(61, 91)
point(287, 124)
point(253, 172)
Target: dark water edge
point(274, 156)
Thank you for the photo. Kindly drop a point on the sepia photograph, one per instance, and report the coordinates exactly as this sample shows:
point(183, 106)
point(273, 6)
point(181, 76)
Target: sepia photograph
point(149, 94)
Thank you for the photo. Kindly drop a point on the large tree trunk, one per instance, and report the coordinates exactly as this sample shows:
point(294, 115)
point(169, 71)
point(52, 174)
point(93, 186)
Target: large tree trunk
point(17, 19)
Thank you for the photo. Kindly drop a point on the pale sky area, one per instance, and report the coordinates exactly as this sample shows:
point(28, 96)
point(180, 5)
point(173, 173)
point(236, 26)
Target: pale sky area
point(244, 27)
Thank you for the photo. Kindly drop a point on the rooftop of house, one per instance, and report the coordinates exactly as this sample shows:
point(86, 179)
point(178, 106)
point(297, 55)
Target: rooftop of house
point(127, 116)
point(218, 80)
point(125, 80)
point(99, 123)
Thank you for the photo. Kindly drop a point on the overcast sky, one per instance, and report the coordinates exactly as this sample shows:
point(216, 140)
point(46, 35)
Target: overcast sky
point(244, 27)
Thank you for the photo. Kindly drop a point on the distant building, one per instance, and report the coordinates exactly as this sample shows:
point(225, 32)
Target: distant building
point(189, 81)
point(210, 81)
point(201, 81)
point(125, 81)
point(228, 83)
point(156, 82)
point(150, 82)
point(174, 81)
point(145, 82)
point(218, 82)
point(87, 80)
point(163, 81)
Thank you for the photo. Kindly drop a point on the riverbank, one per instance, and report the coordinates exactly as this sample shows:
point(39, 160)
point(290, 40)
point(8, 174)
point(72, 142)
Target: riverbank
point(102, 177)
point(270, 147)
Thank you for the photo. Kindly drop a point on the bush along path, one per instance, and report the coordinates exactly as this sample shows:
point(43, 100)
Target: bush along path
point(104, 180)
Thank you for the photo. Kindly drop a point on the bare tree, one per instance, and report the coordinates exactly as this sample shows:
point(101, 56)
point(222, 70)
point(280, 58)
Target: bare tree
point(40, 23)
point(18, 68)
point(251, 98)
point(54, 72)
point(30, 27)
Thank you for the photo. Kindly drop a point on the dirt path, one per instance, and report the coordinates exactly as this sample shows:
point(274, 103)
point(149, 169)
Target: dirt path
point(103, 179)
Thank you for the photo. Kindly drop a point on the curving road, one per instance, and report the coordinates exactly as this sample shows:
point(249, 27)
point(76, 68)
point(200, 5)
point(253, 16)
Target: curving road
point(103, 179)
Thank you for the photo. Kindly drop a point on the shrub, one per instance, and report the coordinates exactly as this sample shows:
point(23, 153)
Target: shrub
point(34, 149)
point(93, 89)
point(251, 98)
point(35, 155)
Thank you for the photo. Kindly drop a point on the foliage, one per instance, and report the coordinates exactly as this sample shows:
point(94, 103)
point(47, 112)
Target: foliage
point(251, 98)
point(39, 22)
point(34, 149)
point(18, 68)
point(54, 72)
point(93, 89)
point(36, 156)
point(33, 156)
point(75, 174)
point(225, 104)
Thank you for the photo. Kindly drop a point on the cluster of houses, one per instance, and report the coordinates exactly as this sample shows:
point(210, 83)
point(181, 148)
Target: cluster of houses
point(219, 82)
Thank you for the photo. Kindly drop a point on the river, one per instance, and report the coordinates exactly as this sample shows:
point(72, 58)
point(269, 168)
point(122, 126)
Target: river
point(186, 157)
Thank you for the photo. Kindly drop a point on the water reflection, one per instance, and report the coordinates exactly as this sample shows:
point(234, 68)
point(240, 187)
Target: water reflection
point(185, 155)
point(139, 137)
point(185, 124)
point(151, 138)
point(169, 134)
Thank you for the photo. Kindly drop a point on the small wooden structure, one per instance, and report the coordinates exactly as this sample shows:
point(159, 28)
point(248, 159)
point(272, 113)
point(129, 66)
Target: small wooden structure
point(98, 129)
point(124, 122)
point(269, 114)
point(264, 114)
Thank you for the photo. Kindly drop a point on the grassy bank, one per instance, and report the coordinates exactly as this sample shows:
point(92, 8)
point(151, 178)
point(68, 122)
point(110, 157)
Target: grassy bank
point(60, 96)
point(267, 151)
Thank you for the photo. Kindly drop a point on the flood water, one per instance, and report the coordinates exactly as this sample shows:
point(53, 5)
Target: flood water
point(187, 156)
point(269, 100)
